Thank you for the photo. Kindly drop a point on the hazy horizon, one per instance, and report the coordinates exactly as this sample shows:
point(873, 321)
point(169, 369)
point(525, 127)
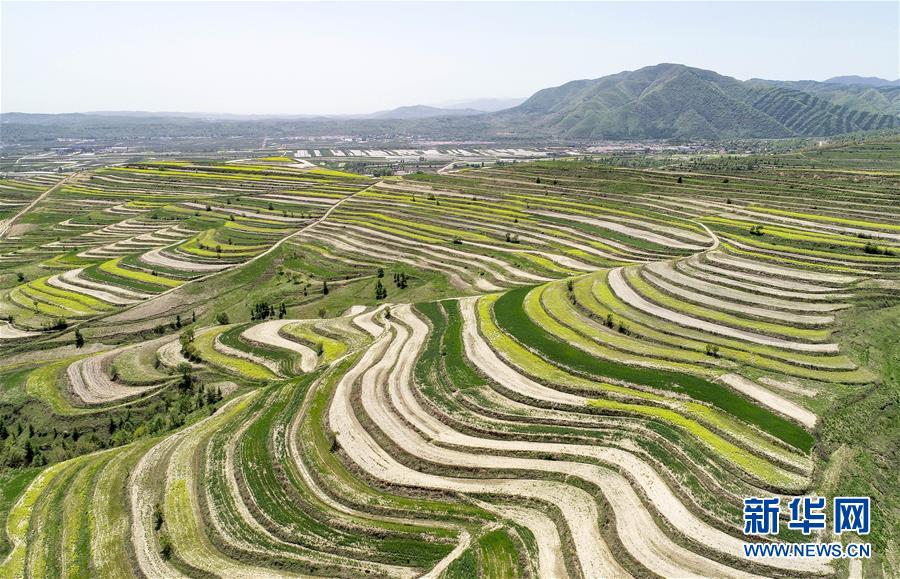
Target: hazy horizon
point(293, 58)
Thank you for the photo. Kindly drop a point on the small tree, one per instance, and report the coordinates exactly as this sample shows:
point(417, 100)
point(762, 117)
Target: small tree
point(325, 288)
point(680, 179)
point(222, 318)
point(158, 518)
point(165, 546)
point(380, 291)
point(79, 339)
point(187, 380)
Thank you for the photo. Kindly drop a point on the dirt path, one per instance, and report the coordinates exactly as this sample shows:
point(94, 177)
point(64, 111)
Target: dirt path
point(465, 539)
point(779, 271)
point(59, 282)
point(5, 225)
point(726, 305)
point(768, 398)
point(447, 168)
point(268, 333)
point(10, 332)
point(621, 288)
point(666, 239)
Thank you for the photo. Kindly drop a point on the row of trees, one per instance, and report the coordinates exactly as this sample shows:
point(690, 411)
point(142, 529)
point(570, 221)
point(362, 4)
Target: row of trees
point(265, 310)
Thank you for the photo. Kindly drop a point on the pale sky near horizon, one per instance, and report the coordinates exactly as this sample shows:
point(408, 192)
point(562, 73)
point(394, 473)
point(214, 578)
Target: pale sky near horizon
point(337, 58)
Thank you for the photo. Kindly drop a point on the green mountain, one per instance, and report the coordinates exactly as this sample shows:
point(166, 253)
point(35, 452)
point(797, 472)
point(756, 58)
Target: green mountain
point(882, 99)
point(673, 100)
point(862, 80)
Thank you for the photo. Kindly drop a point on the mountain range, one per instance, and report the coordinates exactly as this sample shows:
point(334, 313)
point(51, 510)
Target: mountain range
point(663, 101)
point(863, 81)
point(678, 101)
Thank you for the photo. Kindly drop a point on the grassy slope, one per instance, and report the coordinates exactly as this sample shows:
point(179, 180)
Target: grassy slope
point(861, 431)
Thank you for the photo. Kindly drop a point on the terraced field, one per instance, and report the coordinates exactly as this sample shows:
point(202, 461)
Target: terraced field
point(120, 236)
point(578, 370)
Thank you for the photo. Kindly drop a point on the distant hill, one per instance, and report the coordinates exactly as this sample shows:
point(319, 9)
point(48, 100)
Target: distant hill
point(863, 81)
point(422, 112)
point(677, 101)
point(488, 105)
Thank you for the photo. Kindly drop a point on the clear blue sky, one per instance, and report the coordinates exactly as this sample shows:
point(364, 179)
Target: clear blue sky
point(298, 57)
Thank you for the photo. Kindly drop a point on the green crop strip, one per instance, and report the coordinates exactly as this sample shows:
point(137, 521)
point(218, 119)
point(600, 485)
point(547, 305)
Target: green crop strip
point(244, 368)
point(511, 317)
point(331, 349)
point(112, 267)
point(548, 306)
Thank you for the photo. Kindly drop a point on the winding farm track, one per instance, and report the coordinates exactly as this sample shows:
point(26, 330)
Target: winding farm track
point(10, 332)
point(8, 223)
